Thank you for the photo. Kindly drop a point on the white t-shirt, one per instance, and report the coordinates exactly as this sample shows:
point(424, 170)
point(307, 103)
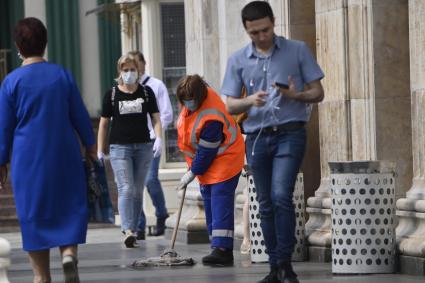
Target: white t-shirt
point(163, 101)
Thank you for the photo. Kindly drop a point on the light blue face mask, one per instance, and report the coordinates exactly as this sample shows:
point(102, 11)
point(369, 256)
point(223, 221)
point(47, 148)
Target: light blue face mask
point(190, 104)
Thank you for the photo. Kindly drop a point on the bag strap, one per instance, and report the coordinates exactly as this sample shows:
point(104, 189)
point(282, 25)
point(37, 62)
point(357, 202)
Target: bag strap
point(145, 80)
point(113, 96)
point(145, 94)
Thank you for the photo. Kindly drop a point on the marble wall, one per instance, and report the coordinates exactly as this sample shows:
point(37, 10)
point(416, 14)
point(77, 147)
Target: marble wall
point(411, 210)
point(362, 45)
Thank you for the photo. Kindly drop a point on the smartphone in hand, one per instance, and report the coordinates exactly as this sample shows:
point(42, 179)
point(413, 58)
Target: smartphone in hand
point(282, 85)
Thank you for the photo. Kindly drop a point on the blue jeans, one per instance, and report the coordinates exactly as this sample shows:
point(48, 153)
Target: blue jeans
point(275, 164)
point(219, 204)
point(155, 191)
point(130, 163)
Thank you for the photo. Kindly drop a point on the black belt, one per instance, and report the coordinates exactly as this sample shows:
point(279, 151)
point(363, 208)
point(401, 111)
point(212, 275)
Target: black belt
point(290, 126)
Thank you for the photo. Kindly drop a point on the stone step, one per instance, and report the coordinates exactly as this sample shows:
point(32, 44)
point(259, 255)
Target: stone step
point(8, 221)
point(7, 210)
point(6, 199)
point(9, 229)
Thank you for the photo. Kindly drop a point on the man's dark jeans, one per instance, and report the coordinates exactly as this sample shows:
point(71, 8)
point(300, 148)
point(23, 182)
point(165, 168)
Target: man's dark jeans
point(275, 161)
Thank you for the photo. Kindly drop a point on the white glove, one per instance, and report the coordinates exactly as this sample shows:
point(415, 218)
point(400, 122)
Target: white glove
point(187, 178)
point(157, 147)
point(100, 155)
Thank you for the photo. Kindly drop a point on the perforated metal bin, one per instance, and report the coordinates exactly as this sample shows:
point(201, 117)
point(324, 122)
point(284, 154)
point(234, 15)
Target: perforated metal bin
point(258, 248)
point(363, 217)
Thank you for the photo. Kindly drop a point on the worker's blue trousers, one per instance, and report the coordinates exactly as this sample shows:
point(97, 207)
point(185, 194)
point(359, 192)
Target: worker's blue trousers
point(219, 202)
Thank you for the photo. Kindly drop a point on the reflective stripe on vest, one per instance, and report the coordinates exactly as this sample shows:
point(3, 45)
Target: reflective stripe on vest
point(188, 153)
point(208, 144)
point(232, 130)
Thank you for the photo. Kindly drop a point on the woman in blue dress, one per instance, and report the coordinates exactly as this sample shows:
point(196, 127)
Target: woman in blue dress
point(41, 117)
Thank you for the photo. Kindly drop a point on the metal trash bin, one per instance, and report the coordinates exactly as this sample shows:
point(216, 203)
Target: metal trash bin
point(258, 248)
point(363, 217)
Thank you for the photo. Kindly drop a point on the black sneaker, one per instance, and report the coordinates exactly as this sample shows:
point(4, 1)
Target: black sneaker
point(140, 235)
point(129, 239)
point(70, 270)
point(271, 277)
point(160, 226)
point(219, 257)
point(286, 274)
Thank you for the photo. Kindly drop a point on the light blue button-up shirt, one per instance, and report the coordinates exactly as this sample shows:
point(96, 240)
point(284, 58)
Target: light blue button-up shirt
point(247, 67)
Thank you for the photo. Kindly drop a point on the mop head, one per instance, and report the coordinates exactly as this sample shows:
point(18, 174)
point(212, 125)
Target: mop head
point(167, 258)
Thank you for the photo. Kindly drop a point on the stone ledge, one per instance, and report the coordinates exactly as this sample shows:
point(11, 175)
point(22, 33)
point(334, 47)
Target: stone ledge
point(361, 167)
point(406, 204)
point(319, 254)
point(410, 214)
point(192, 237)
point(318, 210)
point(412, 265)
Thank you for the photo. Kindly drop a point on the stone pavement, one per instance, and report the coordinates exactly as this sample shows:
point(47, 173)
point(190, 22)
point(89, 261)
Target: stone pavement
point(105, 259)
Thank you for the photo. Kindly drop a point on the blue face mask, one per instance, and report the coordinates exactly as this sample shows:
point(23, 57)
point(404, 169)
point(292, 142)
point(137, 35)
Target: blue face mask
point(190, 104)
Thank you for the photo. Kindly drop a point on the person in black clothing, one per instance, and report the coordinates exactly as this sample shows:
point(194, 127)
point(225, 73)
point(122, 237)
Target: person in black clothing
point(126, 107)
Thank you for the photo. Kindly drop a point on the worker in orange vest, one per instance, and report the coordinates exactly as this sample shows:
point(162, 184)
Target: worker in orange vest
point(214, 150)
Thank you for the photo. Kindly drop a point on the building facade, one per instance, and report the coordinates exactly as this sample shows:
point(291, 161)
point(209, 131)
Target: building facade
point(372, 53)
point(373, 56)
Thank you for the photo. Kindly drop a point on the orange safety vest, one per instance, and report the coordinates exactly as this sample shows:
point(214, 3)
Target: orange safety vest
point(231, 154)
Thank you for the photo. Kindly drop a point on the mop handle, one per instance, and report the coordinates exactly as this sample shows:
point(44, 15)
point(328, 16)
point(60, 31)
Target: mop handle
point(173, 239)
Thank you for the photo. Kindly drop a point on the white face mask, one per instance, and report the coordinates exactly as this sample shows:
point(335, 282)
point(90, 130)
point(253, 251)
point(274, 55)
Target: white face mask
point(129, 77)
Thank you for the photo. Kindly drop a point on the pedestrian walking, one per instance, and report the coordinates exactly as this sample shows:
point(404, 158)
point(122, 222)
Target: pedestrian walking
point(126, 107)
point(42, 115)
point(282, 80)
point(214, 150)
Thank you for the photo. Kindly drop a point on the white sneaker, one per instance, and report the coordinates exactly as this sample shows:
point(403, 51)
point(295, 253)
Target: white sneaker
point(70, 269)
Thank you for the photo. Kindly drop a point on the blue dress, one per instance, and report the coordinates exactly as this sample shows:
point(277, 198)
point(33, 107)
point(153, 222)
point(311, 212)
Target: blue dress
point(41, 116)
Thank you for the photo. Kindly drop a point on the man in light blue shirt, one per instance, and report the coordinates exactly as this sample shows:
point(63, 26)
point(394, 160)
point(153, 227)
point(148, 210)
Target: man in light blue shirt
point(276, 136)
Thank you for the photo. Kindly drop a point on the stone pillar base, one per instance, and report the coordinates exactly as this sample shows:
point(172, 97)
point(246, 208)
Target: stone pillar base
point(188, 237)
point(319, 254)
point(412, 265)
point(192, 228)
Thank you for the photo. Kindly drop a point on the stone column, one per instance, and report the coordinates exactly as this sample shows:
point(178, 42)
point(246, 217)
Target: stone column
point(4, 260)
point(192, 226)
point(411, 210)
point(90, 83)
point(295, 19)
point(125, 33)
point(202, 52)
point(331, 30)
point(362, 48)
point(232, 36)
point(127, 41)
point(37, 8)
point(214, 31)
point(202, 40)
point(151, 37)
point(152, 51)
